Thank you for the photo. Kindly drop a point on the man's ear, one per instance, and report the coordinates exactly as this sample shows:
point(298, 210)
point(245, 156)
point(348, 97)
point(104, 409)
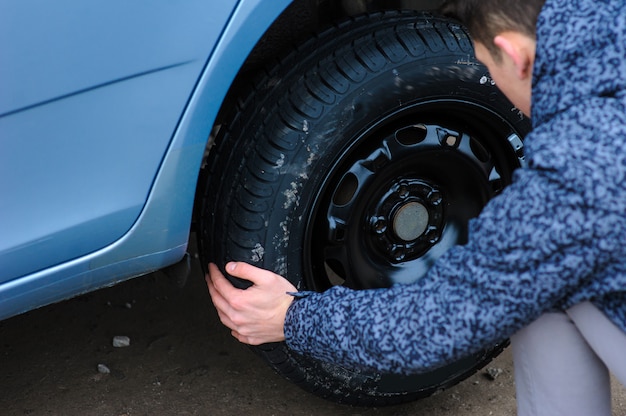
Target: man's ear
point(519, 49)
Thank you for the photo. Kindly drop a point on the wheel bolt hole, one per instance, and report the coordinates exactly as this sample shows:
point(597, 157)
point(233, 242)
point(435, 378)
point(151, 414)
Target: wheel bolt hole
point(346, 190)
point(479, 151)
point(380, 226)
point(432, 235)
point(435, 198)
point(412, 135)
point(398, 253)
point(335, 272)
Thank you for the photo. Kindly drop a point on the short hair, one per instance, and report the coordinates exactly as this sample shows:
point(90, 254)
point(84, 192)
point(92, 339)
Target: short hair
point(485, 19)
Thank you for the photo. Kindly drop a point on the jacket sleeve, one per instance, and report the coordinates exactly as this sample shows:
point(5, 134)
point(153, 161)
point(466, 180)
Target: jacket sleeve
point(529, 250)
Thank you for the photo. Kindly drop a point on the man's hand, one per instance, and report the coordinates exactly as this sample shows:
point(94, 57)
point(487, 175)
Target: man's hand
point(255, 315)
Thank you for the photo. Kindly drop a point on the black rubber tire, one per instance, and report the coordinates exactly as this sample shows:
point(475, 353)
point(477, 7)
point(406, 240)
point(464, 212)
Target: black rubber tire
point(402, 85)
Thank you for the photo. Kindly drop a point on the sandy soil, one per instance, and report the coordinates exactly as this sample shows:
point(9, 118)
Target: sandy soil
point(180, 361)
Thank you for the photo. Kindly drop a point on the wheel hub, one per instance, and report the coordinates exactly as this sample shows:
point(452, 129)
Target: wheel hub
point(408, 220)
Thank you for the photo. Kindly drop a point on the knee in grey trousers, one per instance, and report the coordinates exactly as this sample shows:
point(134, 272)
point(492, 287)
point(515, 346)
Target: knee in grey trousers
point(562, 363)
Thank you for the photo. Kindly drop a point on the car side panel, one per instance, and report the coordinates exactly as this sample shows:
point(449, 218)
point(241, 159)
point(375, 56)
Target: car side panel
point(91, 94)
point(160, 234)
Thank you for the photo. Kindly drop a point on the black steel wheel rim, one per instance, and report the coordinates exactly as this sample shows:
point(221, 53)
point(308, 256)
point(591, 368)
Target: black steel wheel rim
point(402, 193)
point(433, 164)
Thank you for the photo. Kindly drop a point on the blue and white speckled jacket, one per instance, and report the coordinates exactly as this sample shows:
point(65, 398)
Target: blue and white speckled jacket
point(555, 237)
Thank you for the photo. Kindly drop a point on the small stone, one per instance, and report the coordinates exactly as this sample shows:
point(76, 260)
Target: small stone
point(494, 372)
point(103, 369)
point(121, 341)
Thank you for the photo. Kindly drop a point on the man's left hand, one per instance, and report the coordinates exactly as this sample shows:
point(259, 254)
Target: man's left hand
point(255, 315)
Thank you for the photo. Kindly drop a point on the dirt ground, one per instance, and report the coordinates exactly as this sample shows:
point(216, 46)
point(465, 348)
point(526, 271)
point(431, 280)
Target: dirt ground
point(180, 361)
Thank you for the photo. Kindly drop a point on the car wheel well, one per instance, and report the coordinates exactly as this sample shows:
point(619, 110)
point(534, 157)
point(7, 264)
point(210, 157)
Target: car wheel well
point(302, 19)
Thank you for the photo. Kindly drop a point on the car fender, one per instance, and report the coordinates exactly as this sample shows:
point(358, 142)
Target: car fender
point(159, 236)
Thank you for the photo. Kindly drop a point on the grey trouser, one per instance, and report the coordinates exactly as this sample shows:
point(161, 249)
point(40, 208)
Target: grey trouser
point(562, 363)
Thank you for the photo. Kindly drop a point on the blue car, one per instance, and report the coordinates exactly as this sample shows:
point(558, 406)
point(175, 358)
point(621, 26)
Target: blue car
point(335, 142)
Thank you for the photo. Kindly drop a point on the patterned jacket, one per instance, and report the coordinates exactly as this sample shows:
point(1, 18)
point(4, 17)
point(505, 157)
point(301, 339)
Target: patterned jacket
point(555, 237)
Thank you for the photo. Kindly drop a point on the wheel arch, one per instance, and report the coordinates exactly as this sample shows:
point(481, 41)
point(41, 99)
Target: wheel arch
point(303, 18)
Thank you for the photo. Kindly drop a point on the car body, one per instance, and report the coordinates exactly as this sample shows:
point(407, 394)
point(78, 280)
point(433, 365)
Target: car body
point(105, 112)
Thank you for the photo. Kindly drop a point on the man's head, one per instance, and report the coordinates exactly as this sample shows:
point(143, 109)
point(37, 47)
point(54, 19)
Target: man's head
point(485, 19)
point(504, 40)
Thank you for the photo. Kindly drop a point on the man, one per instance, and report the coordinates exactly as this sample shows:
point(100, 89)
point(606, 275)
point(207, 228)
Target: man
point(545, 263)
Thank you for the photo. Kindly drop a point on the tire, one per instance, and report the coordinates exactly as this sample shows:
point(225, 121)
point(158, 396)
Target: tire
point(358, 160)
